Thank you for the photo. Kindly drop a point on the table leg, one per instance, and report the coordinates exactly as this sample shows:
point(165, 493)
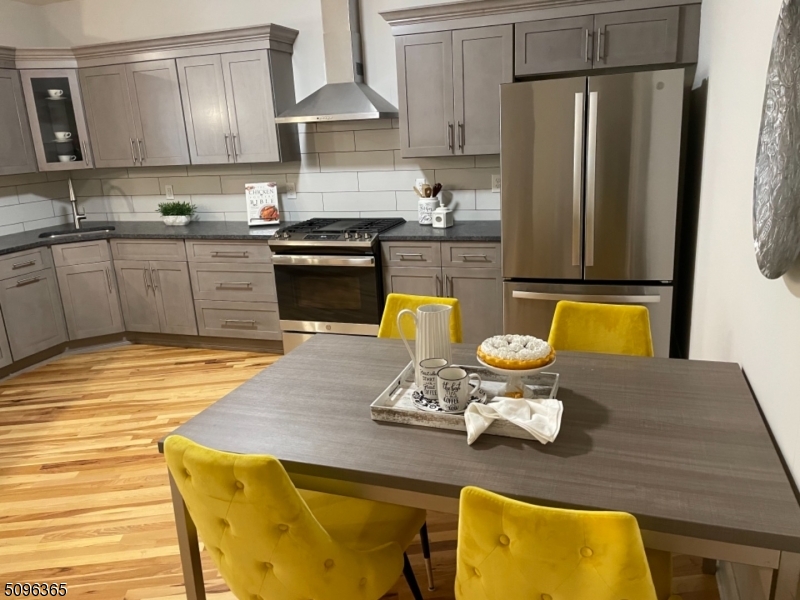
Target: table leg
point(189, 547)
point(709, 566)
point(786, 578)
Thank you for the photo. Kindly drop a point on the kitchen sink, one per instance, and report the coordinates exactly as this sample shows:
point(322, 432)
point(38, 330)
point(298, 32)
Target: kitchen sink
point(75, 232)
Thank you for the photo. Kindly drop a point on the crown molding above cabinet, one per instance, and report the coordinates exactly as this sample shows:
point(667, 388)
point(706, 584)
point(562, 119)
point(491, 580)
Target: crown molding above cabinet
point(483, 13)
point(261, 37)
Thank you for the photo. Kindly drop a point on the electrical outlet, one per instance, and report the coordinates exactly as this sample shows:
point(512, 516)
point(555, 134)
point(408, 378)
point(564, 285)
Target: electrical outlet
point(496, 184)
point(169, 193)
point(420, 182)
point(291, 190)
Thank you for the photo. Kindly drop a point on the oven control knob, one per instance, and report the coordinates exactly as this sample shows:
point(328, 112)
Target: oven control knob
point(286, 235)
point(347, 235)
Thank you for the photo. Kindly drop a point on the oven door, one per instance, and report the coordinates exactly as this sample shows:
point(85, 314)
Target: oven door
point(329, 294)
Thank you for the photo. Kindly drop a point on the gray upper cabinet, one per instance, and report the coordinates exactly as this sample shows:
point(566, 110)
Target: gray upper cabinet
point(482, 61)
point(108, 110)
point(638, 37)
point(251, 110)
point(205, 109)
point(157, 113)
point(91, 302)
point(135, 114)
point(16, 145)
point(425, 86)
point(32, 312)
point(553, 46)
point(229, 107)
point(58, 122)
point(5, 351)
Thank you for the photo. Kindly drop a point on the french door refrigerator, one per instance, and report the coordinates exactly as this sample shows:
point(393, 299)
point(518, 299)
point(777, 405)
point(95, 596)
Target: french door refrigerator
point(590, 169)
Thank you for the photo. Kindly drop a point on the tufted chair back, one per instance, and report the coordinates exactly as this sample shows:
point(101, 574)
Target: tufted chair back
point(509, 550)
point(263, 538)
point(397, 302)
point(607, 328)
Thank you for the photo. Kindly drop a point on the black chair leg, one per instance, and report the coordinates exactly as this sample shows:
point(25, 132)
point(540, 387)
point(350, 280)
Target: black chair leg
point(411, 579)
point(426, 552)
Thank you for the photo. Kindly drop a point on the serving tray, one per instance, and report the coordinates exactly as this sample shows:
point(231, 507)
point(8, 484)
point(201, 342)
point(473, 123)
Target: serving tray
point(396, 403)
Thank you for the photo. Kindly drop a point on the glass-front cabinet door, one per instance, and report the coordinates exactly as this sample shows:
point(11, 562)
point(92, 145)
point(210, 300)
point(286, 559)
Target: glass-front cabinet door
point(57, 119)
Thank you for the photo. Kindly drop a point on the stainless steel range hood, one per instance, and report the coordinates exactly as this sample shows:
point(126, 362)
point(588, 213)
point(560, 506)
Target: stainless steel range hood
point(345, 97)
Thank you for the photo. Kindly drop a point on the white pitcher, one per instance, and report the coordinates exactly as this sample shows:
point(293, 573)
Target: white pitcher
point(433, 335)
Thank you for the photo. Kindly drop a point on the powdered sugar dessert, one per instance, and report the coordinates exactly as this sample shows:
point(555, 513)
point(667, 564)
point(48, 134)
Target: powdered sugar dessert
point(516, 352)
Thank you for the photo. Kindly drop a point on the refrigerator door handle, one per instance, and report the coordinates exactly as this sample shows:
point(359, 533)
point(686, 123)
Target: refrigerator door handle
point(591, 177)
point(614, 299)
point(577, 178)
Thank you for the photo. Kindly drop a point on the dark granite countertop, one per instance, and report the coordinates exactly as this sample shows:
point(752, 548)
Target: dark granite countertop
point(464, 231)
point(469, 231)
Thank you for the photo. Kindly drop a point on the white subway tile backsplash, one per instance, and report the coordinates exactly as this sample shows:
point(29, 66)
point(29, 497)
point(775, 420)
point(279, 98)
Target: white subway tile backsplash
point(9, 229)
point(107, 204)
point(149, 204)
point(487, 200)
point(308, 163)
point(30, 211)
point(325, 182)
point(210, 216)
point(354, 125)
point(58, 175)
point(8, 195)
point(236, 217)
point(87, 187)
point(391, 180)
point(26, 178)
point(131, 187)
point(231, 169)
point(305, 202)
point(440, 162)
point(407, 200)
point(377, 139)
point(36, 192)
point(174, 171)
point(217, 203)
point(477, 215)
point(192, 185)
point(49, 222)
point(338, 141)
point(383, 214)
point(99, 174)
point(459, 199)
point(234, 184)
point(302, 216)
point(488, 160)
point(350, 201)
point(334, 162)
point(465, 179)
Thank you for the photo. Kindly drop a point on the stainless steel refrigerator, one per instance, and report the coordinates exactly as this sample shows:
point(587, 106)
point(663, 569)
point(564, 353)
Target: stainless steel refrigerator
point(590, 171)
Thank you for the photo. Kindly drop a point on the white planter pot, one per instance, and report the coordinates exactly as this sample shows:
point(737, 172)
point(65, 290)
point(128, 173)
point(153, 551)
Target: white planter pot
point(177, 221)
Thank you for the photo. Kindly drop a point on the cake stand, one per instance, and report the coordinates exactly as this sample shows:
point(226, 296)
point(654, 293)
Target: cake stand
point(514, 387)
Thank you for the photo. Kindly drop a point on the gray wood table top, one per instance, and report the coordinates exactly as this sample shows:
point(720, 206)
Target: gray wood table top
point(680, 444)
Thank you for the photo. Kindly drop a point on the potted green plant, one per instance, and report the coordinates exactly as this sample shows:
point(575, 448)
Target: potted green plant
point(176, 213)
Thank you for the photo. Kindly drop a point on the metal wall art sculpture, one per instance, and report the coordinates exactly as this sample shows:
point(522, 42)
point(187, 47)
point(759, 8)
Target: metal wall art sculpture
point(776, 198)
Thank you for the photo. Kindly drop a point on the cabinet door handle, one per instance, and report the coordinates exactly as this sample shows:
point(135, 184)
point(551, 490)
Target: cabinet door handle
point(451, 142)
point(133, 152)
point(228, 284)
point(439, 286)
point(447, 285)
point(588, 45)
point(141, 152)
point(21, 265)
point(466, 257)
point(402, 256)
point(85, 152)
point(461, 139)
point(229, 254)
point(250, 322)
point(601, 44)
point(28, 281)
point(154, 277)
point(235, 150)
point(144, 276)
point(227, 148)
point(108, 279)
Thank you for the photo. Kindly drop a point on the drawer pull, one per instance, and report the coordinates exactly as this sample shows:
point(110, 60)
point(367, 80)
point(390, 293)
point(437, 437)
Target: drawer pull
point(417, 256)
point(22, 265)
point(471, 256)
point(248, 322)
point(229, 254)
point(28, 281)
point(227, 284)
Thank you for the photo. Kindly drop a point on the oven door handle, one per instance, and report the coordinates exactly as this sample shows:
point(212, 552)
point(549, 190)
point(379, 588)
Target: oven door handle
point(323, 261)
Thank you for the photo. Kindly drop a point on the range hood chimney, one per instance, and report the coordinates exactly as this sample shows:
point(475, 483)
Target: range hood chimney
point(345, 97)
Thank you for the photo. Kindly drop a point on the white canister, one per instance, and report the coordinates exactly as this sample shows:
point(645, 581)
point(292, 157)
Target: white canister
point(443, 217)
point(425, 208)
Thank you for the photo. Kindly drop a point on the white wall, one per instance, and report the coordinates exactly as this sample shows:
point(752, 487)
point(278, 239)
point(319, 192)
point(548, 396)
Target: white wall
point(739, 315)
point(22, 25)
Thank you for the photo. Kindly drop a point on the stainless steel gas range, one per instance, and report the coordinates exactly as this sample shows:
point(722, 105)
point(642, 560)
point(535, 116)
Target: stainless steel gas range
point(328, 277)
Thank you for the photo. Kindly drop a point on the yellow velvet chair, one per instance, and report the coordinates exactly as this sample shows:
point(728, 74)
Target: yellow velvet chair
point(509, 550)
point(606, 328)
point(273, 542)
point(397, 302)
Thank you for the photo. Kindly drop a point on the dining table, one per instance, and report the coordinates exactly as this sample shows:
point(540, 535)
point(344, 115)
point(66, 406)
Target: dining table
point(680, 444)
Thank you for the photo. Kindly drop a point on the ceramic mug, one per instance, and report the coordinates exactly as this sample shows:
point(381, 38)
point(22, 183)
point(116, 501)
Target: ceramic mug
point(427, 370)
point(55, 93)
point(67, 157)
point(63, 136)
point(453, 388)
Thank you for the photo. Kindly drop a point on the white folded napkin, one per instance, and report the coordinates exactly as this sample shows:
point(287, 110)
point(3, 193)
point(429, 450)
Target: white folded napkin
point(540, 418)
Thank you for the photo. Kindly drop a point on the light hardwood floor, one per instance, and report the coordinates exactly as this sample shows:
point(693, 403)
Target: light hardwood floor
point(84, 497)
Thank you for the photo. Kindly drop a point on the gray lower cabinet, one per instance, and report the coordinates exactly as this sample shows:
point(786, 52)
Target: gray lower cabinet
point(16, 144)
point(480, 294)
point(553, 46)
point(90, 299)
point(32, 312)
point(5, 351)
point(637, 37)
point(156, 296)
point(252, 320)
point(418, 281)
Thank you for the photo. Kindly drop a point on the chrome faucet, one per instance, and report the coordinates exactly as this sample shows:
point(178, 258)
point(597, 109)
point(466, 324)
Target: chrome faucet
point(76, 216)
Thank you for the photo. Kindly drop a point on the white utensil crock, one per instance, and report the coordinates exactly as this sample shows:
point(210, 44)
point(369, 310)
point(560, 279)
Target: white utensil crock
point(432, 337)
